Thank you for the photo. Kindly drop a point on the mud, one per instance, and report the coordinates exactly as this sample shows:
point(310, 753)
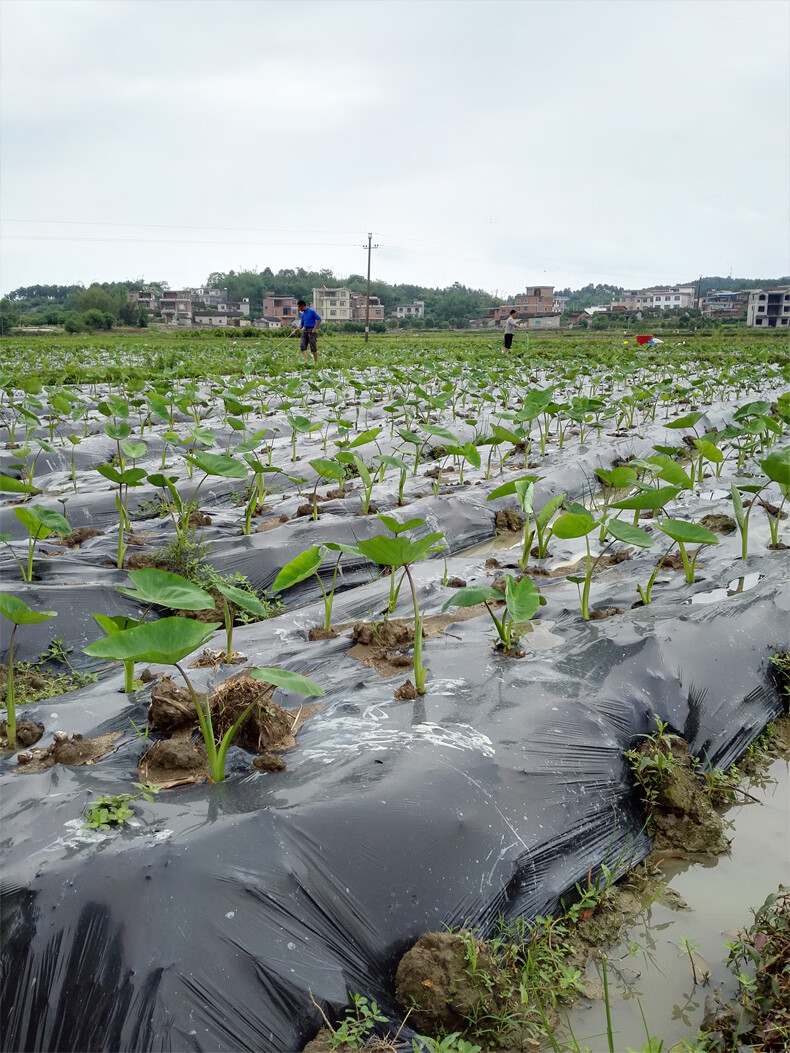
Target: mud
point(719, 524)
point(269, 727)
point(269, 762)
point(198, 518)
point(376, 641)
point(407, 692)
point(319, 633)
point(171, 707)
point(73, 752)
point(435, 981)
point(599, 613)
point(26, 734)
point(508, 521)
point(174, 762)
point(76, 537)
point(455, 583)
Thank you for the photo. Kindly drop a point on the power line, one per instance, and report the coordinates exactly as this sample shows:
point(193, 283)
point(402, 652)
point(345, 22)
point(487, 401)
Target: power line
point(177, 226)
point(175, 241)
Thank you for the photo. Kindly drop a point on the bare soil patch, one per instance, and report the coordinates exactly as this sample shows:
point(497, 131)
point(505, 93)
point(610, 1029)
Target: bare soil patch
point(73, 752)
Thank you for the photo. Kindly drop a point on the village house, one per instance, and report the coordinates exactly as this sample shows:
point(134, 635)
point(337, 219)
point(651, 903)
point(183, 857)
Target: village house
point(415, 309)
point(280, 309)
point(358, 311)
point(769, 308)
point(334, 305)
point(724, 303)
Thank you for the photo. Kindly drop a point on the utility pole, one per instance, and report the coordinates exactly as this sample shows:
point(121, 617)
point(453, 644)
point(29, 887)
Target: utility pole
point(698, 314)
point(369, 247)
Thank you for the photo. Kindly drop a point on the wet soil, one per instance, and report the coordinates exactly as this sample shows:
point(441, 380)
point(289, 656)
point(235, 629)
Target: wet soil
point(30, 685)
point(269, 727)
point(270, 524)
point(26, 734)
point(74, 752)
point(171, 707)
point(719, 524)
point(319, 633)
point(76, 537)
point(378, 643)
point(455, 583)
point(433, 979)
point(407, 692)
point(173, 762)
point(600, 613)
point(198, 518)
point(509, 522)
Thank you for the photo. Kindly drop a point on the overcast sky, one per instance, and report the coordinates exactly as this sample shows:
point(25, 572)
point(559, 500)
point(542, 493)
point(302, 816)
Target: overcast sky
point(497, 144)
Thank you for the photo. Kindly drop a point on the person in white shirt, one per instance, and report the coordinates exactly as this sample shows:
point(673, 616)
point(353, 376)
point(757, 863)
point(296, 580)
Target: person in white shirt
point(511, 325)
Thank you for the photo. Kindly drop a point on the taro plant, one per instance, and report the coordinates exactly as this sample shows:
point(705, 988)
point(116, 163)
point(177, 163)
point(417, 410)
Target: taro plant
point(211, 464)
point(153, 587)
point(397, 528)
point(396, 552)
point(777, 467)
point(387, 460)
point(326, 468)
point(682, 534)
point(307, 564)
point(168, 642)
point(521, 600)
point(39, 523)
point(536, 524)
point(18, 613)
point(579, 523)
point(124, 478)
point(233, 597)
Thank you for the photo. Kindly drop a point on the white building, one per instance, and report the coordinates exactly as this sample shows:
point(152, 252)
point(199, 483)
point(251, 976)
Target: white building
point(676, 298)
point(769, 308)
point(415, 309)
point(559, 303)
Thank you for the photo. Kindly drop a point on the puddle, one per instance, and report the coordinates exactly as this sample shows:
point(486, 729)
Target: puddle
point(720, 897)
point(735, 587)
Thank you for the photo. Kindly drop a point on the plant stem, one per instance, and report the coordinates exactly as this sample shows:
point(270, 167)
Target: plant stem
point(128, 676)
point(419, 670)
point(10, 697)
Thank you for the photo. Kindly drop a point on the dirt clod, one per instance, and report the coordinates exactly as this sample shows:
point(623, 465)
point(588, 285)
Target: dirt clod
point(434, 979)
point(599, 613)
point(268, 762)
point(77, 536)
point(198, 518)
point(456, 583)
point(319, 633)
point(174, 760)
point(305, 510)
point(76, 751)
point(407, 692)
point(719, 524)
point(508, 521)
point(171, 707)
point(26, 734)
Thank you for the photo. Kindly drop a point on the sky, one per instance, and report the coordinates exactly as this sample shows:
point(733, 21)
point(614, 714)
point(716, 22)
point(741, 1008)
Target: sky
point(497, 144)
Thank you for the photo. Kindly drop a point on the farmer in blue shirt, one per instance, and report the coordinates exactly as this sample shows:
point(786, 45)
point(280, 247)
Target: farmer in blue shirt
point(309, 326)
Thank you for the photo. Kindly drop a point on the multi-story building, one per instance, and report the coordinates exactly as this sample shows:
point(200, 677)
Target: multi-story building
point(536, 300)
point(559, 303)
point(722, 303)
point(769, 308)
point(334, 305)
point(675, 298)
point(415, 309)
point(637, 299)
point(147, 300)
point(358, 309)
point(281, 309)
point(176, 307)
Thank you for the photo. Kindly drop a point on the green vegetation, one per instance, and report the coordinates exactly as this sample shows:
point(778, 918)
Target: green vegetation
point(111, 811)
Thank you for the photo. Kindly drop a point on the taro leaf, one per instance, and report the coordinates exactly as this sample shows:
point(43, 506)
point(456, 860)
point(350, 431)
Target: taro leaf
point(205, 436)
point(688, 421)
point(396, 526)
point(134, 450)
point(165, 642)
point(688, 533)
point(397, 551)
point(60, 403)
point(299, 568)
point(299, 423)
point(670, 471)
point(392, 462)
point(129, 477)
point(118, 431)
point(218, 464)
point(752, 409)
point(115, 623)
point(410, 437)
point(649, 498)
point(42, 521)
point(573, 524)
point(737, 505)
point(709, 451)
point(522, 600)
point(621, 477)
point(510, 487)
point(18, 612)
point(777, 466)
point(783, 406)
point(471, 453)
point(535, 403)
point(472, 595)
point(629, 534)
point(347, 550)
point(43, 444)
point(328, 469)
point(302, 685)
point(159, 407)
point(167, 590)
point(441, 433)
point(525, 491)
point(158, 479)
point(243, 599)
point(548, 510)
point(500, 435)
point(15, 486)
point(364, 438)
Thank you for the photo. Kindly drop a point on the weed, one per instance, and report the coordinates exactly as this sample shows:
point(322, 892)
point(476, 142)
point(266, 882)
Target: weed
point(112, 811)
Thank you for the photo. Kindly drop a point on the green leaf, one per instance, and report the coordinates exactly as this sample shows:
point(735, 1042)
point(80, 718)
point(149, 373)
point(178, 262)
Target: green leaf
point(621, 477)
point(670, 471)
point(328, 469)
point(472, 595)
point(302, 685)
point(573, 524)
point(118, 431)
point(441, 433)
point(165, 642)
point(134, 450)
point(472, 454)
point(688, 421)
point(777, 466)
point(628, 534)
point(10, 485)
point(167, 590)
point(218, 464)
point(305, 564)
point(737, 504)
point(648, 498)
point(709, 451)
point(392, 462)
point(115, 623)
point(525, 492)
point(688, 533)
point(364, 438)
point(396, 526)
point(243, 599)
point(548, 510)
point(43, 521)
point(752, 409)
point(397, 551)
point(510, 487)
point(522, 599)
point(18, 612)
